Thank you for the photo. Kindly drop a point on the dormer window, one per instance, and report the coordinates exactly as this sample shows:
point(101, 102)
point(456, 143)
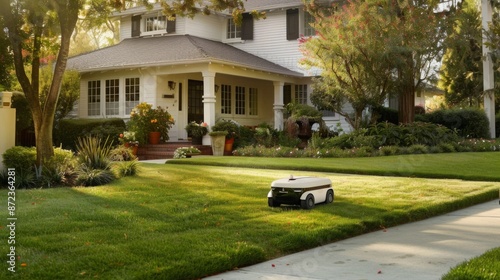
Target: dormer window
point(152, 24)
point(156, 23)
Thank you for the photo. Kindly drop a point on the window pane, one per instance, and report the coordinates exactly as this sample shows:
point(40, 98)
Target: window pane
point(240, 100)
point(301, 94)
point(132, 94)
point(112, 97)
point(253, 102)
point(233, 31)
point(308, 29)
point(225, 99)
point(94, 98)
point(155, 23)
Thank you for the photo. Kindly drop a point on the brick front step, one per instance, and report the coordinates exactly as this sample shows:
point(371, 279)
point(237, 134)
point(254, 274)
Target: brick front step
point(166, 150)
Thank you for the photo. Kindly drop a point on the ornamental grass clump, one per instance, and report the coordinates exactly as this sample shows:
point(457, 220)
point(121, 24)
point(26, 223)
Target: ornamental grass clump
point(93, 156)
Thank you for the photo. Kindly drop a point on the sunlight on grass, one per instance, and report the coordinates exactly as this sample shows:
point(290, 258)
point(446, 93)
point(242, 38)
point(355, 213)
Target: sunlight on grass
point(185, 222)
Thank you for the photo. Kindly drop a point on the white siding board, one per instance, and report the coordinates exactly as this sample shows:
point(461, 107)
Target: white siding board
point(270, 42)
point(210, 27)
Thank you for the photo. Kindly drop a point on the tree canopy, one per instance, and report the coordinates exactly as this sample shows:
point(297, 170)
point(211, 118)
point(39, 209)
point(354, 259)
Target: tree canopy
point(368, 49)
point(36, 28)
point(461, 70)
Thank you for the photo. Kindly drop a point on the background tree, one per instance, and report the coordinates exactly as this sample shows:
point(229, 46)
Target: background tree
point(6, 63)
point(30, 24)
point(355, 51)
point(418, 31)
point(350, 50)
point(461, 68)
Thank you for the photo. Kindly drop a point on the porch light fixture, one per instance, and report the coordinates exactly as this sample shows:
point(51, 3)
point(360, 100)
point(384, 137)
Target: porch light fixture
point(171, 85)
point(216, 88)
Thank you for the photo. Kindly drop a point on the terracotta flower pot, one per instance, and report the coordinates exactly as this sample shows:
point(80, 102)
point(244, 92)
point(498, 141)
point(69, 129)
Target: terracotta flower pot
point(154, 137)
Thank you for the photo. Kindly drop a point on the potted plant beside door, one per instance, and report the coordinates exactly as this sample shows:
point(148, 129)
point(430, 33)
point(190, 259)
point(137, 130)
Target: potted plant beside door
point(150, 125)
point(196, 131)
point(233, 131)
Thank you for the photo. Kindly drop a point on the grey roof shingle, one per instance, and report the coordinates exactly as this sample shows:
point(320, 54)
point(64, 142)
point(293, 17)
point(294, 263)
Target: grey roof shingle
point(170, 50)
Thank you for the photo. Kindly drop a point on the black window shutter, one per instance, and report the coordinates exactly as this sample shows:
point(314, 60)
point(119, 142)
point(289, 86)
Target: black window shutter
point(247, 27)
point(292, 24)
point(171, 25)
point(136, 26)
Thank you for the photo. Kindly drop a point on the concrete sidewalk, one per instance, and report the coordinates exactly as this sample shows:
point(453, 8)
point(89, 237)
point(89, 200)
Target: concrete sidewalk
point(420, 250)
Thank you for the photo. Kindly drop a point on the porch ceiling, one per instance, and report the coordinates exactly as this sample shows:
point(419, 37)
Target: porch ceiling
point(171, 50)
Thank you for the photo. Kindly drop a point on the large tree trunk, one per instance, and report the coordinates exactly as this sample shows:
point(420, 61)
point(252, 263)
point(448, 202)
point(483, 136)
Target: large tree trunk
point(407, 106)
point(43, 118)
point(407, 91)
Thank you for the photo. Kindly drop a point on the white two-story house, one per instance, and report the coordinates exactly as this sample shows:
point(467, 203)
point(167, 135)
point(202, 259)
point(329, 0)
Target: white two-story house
point(201, 69)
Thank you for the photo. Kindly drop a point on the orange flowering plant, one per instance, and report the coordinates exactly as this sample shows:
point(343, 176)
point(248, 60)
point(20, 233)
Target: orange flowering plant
point(145, 119)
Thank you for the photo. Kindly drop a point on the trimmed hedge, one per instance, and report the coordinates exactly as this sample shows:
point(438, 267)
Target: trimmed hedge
point(469, 122)
point(71, 129)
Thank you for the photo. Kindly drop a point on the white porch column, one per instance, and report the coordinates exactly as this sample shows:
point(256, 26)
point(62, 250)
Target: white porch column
point(278, 105)
point(208, 102)
point(488, 74)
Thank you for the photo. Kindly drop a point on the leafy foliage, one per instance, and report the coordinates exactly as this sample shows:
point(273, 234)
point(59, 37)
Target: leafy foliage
point(461, 70)
point(93, 156)
point(469, 122)
point(145, 119)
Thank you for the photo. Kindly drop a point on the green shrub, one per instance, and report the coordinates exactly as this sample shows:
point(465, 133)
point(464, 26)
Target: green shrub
point(71, 129)
point(20, 158)
point(58, 170)
point(121, 153)
point(447, 147)
point(469, 123)
point(436, 149)
point(126, 168)
point(386, 114)
point(88, 176)
point(388, 150)
point(418, 149)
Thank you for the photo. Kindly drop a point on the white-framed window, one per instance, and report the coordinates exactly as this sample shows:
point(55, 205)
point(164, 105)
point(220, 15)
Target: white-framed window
point(253, 102)
point(155, 22)
point(226, 100)
point(94, 98)
point(132, 94)
point(112, 94)
point(240, 100)
point(233, 31)
point(301, 94)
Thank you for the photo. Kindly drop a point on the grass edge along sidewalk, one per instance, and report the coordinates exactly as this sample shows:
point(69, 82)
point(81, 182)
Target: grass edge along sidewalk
point(480, 166)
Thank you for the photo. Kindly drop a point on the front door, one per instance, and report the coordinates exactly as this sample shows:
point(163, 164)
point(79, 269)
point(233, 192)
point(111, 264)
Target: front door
point(195, 101)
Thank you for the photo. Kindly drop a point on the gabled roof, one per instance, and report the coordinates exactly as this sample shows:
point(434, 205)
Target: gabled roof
point(171, 50)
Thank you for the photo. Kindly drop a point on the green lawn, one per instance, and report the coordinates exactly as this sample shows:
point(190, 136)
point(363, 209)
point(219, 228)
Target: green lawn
point(484, 267)
point(179, 221)
point(483, 166)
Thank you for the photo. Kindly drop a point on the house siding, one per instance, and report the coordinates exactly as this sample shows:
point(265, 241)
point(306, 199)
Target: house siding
point(270, 42)
point(209, 27)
